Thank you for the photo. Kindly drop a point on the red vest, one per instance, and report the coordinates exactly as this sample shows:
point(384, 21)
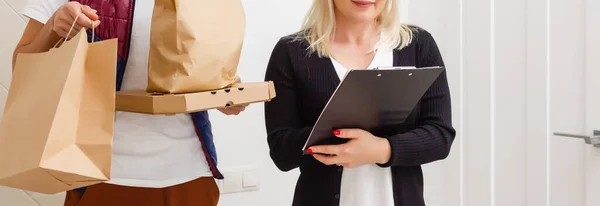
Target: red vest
point(117, 20)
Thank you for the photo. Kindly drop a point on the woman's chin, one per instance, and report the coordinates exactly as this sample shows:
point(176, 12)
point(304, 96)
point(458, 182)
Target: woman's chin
point(363, 18)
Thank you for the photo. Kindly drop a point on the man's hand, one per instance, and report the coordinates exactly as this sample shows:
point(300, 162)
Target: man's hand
point(235, 110)
point(64, 18)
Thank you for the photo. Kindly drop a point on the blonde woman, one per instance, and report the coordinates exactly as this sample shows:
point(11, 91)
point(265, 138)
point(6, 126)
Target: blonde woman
point(382, 169)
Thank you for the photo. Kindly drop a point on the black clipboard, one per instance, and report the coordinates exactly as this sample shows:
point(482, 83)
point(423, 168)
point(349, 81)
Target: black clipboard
point(368, 99)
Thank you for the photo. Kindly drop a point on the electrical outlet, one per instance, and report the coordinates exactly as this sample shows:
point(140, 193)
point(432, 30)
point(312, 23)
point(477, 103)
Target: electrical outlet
point(239, 179)
point(250, 179)
point(233, 182)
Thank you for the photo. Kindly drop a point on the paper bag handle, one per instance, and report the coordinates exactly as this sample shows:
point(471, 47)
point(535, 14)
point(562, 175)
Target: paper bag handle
point(73, 26)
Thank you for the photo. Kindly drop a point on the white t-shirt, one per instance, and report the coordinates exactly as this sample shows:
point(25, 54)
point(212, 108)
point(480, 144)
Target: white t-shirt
point(369, 184)
point(148, 151)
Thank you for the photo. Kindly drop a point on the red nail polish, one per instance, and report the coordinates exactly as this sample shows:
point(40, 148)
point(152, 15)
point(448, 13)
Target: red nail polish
point(309, 150)
point(336, 132)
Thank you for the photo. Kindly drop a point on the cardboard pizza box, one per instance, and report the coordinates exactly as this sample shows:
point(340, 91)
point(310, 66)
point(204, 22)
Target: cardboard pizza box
point(139, 101)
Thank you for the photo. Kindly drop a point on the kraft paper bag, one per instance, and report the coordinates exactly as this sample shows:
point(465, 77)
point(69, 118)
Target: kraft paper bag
point(195, 45)
point(57, 129)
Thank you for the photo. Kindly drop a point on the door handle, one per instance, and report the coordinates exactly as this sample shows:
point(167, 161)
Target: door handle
point(593, 140)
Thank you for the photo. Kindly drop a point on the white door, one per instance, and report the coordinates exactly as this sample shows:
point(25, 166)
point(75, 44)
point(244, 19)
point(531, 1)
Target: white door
point(519, 72)
point(575, 116)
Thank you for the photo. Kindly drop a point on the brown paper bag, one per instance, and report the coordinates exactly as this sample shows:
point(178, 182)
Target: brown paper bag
point(57, 129)
point(195, 45)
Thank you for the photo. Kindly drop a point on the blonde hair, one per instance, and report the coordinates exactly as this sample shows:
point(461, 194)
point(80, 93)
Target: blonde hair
point(319, 27)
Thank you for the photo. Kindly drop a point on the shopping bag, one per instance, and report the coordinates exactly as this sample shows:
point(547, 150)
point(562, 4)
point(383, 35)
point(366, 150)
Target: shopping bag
point(195, 45)
point(57, 129)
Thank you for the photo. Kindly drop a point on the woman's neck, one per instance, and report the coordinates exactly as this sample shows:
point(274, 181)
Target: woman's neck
point(356, 33)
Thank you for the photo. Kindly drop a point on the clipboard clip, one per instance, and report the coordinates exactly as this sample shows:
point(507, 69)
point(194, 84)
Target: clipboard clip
point(395, 68)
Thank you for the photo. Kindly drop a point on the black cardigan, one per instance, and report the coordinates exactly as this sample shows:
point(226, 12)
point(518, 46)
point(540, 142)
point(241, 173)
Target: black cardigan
point(304, 83)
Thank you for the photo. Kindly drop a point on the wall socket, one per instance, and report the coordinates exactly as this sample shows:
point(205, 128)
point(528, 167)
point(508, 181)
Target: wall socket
point(239, 179)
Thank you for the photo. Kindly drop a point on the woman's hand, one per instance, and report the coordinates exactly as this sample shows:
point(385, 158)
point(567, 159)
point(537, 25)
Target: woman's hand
point(65, 16)
point(362, 149)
